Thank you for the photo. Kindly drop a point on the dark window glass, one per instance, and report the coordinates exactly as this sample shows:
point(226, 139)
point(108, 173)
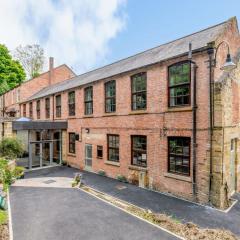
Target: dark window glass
point(30, 109)
point(58, 106)
point(47, 108)
point(139, 151)
point(113, 148)
point(71, 103)
point(38, 109)
point(139, 91)
point(110, 97)
point(71, 142)
point(99, 151)
point(179, 78)
point(24, 110)
point(37, 145)
point(179, 155)
point(88, 100)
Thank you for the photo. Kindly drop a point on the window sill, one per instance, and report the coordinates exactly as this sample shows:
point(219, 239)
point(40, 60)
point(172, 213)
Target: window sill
point(71, 154)
point(180, 109)
point(178, 177)
point(71, 117)
point(88, 116)
point(135, 112)
point(138, 168)
point(117, 164)
point(109, 114)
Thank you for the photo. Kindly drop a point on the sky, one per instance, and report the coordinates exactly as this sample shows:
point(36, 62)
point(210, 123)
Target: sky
point(87, 34)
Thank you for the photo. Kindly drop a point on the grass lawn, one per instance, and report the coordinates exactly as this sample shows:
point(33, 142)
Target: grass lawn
point(3, 217)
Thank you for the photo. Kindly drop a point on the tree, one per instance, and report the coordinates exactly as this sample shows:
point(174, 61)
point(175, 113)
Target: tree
point(11, 71)
point(32, 59)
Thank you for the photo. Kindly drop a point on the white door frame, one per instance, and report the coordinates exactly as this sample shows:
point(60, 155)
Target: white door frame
point(87, 158)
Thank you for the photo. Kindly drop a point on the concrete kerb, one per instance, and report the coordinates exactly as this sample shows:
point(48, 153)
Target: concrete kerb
point(10, 229)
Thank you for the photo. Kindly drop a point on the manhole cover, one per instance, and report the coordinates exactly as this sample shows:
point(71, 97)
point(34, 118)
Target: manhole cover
point(120, 187)
point(49, 181)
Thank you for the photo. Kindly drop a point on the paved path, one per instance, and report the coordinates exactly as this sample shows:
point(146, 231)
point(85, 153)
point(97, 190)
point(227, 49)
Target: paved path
point(157, 202)
point(57, 213)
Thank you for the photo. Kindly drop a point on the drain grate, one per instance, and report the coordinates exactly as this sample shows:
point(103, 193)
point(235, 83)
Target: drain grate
point(120, 187)
point(49, 181)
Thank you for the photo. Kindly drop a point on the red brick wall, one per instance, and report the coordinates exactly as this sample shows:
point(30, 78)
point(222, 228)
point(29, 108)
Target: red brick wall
point(125, 122)
point(34, 85)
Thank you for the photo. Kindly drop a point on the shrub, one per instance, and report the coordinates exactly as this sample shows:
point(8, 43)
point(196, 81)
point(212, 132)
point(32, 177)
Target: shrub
point(122, 178)
point(10, 148)
point(6, 176)
point(18, 172)
point(102, 173)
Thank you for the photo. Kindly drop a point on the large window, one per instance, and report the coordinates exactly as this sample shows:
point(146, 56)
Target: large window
point(47, 108)
point(58, 106)
point(179, 80)
point(139, 91)
point(179, 155)
point(88, 100)
point(30, 109)
point(38, 110)
point(71, 103)
point(113, 147)
point(110, 96)
point(139, 151)
point(24, 110)
point(72, 143)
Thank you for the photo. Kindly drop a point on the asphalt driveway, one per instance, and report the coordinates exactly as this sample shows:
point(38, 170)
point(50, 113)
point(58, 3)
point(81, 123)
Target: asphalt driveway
point(203, 216)
point(50, 213)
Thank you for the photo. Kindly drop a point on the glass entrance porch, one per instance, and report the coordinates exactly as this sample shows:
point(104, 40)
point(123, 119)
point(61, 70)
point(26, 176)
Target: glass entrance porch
point(42, 148)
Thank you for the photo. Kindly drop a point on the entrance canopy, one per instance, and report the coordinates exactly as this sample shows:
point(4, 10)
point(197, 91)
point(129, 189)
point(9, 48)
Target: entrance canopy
point(35, 125)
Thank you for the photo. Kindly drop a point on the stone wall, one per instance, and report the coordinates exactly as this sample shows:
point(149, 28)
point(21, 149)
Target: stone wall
point(226, 158)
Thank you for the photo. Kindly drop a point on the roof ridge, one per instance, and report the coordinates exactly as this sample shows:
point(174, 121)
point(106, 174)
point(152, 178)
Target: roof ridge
point(80, 77)
point(149, 49)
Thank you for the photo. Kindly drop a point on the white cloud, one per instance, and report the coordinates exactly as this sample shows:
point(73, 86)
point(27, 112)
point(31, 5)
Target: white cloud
point(75, 32)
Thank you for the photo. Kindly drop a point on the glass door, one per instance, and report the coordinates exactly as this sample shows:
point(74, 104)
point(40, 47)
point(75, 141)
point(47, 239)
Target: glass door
point(35, 153)
point(88, 157)
point(47, 153)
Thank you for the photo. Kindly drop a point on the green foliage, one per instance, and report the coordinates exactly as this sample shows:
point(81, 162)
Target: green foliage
point(10, 148)
point(122, 178)
point(102, 172)
point(11, 71)
point(18, 172)
point(3, 217)
point(77, 180)
point(6, 176)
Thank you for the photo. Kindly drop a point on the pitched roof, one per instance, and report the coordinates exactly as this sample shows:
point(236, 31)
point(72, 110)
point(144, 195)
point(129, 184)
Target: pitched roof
point(163, 52)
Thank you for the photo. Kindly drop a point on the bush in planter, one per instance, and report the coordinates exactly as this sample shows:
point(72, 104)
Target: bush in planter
point(10, 148)
point(122, 178)
point(18, 172)
point(102, 173)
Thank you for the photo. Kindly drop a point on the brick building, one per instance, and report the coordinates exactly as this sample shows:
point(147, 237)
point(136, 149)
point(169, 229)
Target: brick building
point(163, 118)
point(10, 101)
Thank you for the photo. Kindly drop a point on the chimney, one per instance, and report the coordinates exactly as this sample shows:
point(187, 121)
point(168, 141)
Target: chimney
point(51, 70)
